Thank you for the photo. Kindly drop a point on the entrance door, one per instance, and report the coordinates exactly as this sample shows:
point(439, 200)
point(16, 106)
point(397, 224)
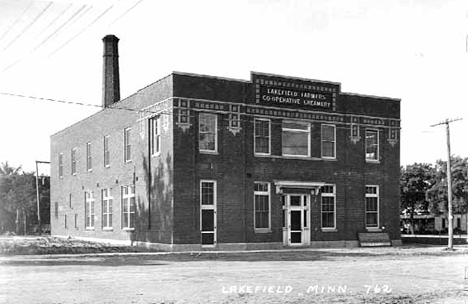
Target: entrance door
point(296, 219)
point(208, 212)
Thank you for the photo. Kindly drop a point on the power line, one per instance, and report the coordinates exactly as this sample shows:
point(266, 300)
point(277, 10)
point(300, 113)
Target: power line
point(55, 19)
point(60, 27)
point(16, 21)
point(78, 103)
point(28, 26)
point(126, 12)
point(80, 32)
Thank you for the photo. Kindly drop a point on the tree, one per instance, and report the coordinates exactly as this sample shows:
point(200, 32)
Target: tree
point(415, 180)
point(18, 203)
point(437, 194)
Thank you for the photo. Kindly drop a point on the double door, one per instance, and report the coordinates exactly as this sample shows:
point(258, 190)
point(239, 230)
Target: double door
point(296, 219)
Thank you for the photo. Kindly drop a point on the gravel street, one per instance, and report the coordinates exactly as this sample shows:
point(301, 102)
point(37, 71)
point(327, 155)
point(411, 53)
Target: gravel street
point(358, 275)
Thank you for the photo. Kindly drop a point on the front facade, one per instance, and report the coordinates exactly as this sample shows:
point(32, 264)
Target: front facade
point(193, 162)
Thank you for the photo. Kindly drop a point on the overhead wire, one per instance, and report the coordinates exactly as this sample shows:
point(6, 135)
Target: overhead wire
point(56, 18)
point(60, 27)
point(126, 12)
point(77, 103)
point(16, 21)
point(82, 31)
point(28, 26)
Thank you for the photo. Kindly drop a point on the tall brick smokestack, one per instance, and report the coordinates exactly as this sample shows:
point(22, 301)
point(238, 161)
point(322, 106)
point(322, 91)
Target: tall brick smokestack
point(111, 79)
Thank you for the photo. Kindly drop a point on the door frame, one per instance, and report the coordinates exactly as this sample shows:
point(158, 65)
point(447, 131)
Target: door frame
point(304, 209)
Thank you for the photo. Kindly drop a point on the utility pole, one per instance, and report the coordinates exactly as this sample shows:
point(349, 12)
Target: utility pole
point(39, 223)
point(449, 181)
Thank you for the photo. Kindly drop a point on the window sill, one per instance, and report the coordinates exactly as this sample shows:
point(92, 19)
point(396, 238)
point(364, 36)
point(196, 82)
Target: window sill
point(329, 230)
point(308, 158)
point(209, 152)
point(156, 154)
point(128, 229)
point(329, 158)
point(262, 230)
point(128, 161)
point(262, 154)
point(373, 229)
point(372, 161)
point(110, 229)
point(107, 167)
point(90, 229)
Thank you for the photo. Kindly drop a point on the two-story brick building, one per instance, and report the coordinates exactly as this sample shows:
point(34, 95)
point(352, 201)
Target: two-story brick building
point(194, 161)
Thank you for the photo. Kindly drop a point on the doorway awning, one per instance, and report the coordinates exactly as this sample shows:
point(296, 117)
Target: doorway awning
point(285, 186)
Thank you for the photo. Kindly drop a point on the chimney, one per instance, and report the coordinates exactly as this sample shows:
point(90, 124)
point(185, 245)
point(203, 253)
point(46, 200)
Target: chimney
point(110, 80)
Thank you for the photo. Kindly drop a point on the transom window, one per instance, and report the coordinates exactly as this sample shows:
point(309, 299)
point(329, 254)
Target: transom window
point(296, 138)
point(328, 195)
point(372, 206)
point(262, 136)
point(128, 207)
point(328, 141)
point(262, 205)
point(207, 129)
point(89, 210)
point(107, 201)
point(372, 145)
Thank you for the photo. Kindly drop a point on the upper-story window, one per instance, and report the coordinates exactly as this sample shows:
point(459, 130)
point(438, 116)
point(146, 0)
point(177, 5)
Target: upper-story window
point(296, 138)
point(73, 161)
point(207, 130)
point(328, 141)
point(127, 145)
point(372, 145)
point(155, 135)
point(106, 151)
point(60, 164)
point(262, 136)
point(89, 160)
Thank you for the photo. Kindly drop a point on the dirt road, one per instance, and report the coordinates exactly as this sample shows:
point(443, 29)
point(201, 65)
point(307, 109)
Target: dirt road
point(313, 276)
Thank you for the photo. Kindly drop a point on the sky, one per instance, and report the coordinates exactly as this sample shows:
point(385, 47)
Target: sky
point(412, 50)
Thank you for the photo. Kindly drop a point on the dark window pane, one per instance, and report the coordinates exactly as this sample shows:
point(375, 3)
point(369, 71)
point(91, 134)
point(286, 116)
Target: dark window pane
point(207, 238)
point(296, 237)
point(296, 220)
point(207, 220)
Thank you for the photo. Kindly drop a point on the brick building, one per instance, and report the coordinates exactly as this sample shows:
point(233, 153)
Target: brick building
point(194, 161)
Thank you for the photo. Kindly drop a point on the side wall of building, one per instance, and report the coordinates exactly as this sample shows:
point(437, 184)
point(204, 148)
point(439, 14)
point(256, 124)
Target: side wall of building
point(76, 213)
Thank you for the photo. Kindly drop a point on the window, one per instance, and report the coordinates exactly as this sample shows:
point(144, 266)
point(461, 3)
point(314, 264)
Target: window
point(296, 138)
point(127, 145)
point(89, 164)
point(60, 165)
point(328, 195)
point(262, 136)
point(207, 130)
point(262, 205)
point(106, 152)
point(70, 200)
point(372, 145)
point(372, 206)
point(155, 135)
point(73, 161)
point(89, 210)
point(65, 221)
point(76, 220)
point(56, 210)
point(328, 141)
point(106, 209)
point(128, 207)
